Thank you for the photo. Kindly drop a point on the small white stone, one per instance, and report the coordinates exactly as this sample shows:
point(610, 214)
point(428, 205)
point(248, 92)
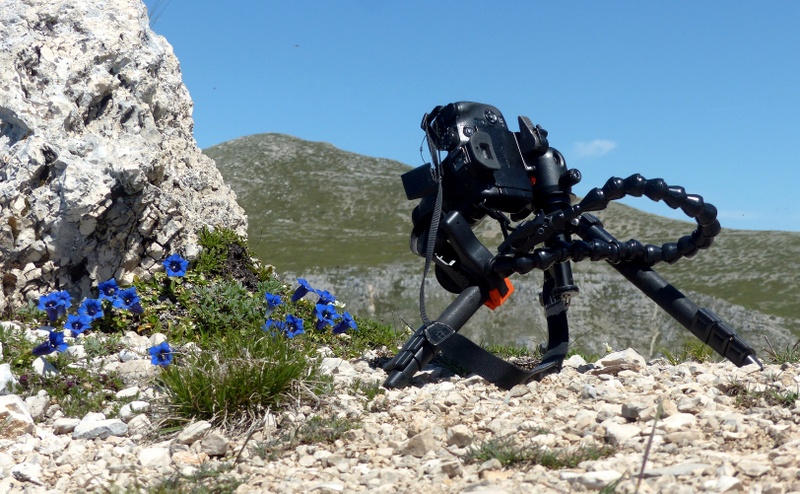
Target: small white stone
point(155, 457)
point(193, 432)
point(7, 379)
point(44, 368)
point(15, 417)
point(65, 425)
point(131, 392)
point(27, 472)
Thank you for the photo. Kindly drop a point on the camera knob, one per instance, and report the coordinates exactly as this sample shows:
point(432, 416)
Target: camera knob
point(570, 178)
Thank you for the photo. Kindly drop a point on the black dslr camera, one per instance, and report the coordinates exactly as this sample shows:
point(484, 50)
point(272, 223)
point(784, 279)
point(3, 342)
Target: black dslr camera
point(508, 176)
point(483, 167)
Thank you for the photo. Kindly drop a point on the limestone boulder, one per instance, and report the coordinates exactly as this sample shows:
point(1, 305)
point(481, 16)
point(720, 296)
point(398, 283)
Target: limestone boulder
point(100, 175)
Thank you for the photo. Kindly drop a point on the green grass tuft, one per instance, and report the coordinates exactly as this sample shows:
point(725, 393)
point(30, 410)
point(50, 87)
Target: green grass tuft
point(692, 350)
point(237, 377)
point(508, 452)
point(789, 354)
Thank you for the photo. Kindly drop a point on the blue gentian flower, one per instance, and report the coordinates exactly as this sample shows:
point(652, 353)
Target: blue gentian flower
point(108, 289)
point(160, 354)
point(54, 343)
point(91, 307)
point(326, 315)
point(55, 304)
point(176, 265)
point(302, 290)
point(77, 324)
point(346, 323)
point(293, 326)
point(65, 298)
point(129, 300)
point(48, 301)
point(273, 301)
point(50, 304)
point(325, 297)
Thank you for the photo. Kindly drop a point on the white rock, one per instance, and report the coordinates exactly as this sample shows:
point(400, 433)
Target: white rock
point(754, 468)
point(459, 435)
point(27, 472)
point(628, 359)
point(598, 479)
point(38, 404)
point(139, 424)
point(97, 137)
point(44, 368)
point(129, 410)
point(7, 379)
point(133, 340)
point(725, 483)
point(7, 462)
point(619, 433)
point(15, 417)
point(193, 432)
point(135, 369)
point(76, 351)
point(678, 421)
point(420, 444)
point(65, 425)
point(157, 339)
point(92, 429)
point(336, 366)
point(155, 457)
point(130, 392)
point(126, 355)
point(575, 361)
point(214, 445)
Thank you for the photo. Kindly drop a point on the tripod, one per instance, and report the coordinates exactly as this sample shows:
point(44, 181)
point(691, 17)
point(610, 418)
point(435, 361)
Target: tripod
point(480, 152)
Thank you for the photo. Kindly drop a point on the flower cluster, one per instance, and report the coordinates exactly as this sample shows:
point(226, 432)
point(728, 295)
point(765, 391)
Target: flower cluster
point(110, 295)
point(325, 309)
point(56, 304)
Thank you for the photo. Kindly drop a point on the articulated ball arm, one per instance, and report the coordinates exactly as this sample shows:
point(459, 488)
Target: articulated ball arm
point(515, 256)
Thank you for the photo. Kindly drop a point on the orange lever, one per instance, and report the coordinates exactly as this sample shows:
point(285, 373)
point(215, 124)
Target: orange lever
point(496, 299)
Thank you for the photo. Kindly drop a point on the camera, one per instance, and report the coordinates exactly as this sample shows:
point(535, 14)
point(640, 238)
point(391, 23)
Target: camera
point(485, 166)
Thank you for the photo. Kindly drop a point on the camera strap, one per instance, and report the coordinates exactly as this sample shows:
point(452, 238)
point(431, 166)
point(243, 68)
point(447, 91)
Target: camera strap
point(433, 230)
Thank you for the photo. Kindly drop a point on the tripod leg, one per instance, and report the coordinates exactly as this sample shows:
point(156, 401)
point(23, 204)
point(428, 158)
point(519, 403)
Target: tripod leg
point(703, 323)
point(417, 351)
point(555, 297)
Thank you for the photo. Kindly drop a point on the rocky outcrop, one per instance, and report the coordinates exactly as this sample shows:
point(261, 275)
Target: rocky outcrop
point(100, 176)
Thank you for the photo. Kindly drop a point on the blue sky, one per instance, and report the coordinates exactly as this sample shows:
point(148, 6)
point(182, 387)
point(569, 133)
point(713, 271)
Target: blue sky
point(705, 95)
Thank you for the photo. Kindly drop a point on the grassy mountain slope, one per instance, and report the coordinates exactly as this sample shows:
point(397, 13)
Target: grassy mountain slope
point(312, 205)
point(342, 220)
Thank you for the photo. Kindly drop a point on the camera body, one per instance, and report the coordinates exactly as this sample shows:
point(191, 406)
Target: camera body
point(484, 166)
point(488, 170)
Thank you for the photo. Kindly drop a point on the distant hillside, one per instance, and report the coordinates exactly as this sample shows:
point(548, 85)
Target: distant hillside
point(342, 221)
point(312, 205)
